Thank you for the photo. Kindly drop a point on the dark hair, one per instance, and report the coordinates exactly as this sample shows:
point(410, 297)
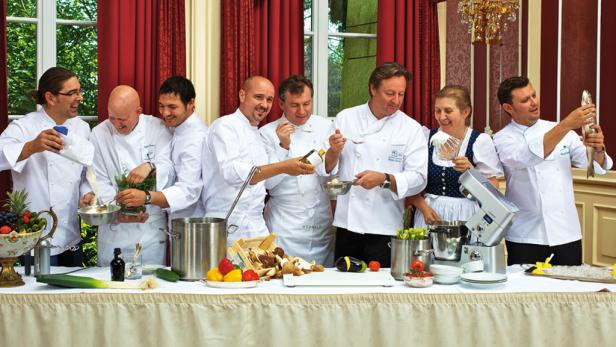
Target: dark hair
point(295, 85)
point(508, 85)
point(386, 71)
point(459, 93)
point(180, 86)
point(51, 81)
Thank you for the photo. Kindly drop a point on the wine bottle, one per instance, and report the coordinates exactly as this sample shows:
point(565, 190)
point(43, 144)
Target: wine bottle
point(314, 157)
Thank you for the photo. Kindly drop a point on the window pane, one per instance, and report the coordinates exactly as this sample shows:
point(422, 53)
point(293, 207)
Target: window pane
point(76, 9)
point(351, 60)
point(22, 8)
point(307, 15)
point(308, 57)
point(77, 52)
point(353, 16)
point(21, 44)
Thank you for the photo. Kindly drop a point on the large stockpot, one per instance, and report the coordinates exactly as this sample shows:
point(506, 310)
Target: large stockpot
point(403, 252)
point(197, 244)
point(447, 239)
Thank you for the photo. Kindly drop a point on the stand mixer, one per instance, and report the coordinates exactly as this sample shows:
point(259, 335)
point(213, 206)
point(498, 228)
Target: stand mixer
point(489, 224)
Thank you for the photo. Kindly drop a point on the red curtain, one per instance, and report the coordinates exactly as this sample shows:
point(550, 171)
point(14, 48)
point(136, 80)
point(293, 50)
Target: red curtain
point(5, 179)
point(140, 43)
point(264, 37)
point(407, 32)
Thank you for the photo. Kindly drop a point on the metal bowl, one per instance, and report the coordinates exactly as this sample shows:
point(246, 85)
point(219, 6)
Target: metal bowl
point(99, 215)
point(336, 188)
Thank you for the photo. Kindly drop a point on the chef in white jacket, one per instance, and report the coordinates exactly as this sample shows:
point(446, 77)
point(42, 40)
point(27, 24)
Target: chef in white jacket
point(386, 153)
point(176, 104)
point(299, 210)
point(537, 157)
point(131, 143)
point(233, 147)
point(29, 147)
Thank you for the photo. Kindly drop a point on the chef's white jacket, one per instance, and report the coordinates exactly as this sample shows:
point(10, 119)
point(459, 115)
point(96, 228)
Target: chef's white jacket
point(116, 154)
point(186, 155)
point(50, 179)
point(542, 187)
point(232, 148)
point(299, 210)
point(395, 145)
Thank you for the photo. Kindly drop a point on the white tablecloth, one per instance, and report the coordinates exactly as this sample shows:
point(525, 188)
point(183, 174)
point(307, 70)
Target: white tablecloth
point(527, 311)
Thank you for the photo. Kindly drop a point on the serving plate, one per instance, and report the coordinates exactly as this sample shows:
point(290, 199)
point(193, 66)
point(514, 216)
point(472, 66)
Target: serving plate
point(483, 277)
point(231, 285)
point(483, 285)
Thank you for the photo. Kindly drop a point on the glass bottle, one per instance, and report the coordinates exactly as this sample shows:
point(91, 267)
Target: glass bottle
point(117, 266)
point(314, 157)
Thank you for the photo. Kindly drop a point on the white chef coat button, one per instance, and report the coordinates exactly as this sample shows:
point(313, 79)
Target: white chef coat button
point(377, 159)
point(443, 174)
point(442, 179)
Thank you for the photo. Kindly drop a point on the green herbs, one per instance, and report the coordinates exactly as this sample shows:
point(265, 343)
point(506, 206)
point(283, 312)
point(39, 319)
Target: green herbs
point(412, 234)
point(148, 184)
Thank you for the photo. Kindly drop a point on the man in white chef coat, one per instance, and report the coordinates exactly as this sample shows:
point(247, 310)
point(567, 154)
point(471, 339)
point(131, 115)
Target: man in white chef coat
point(386, 154)
point(537, 157)
point(131, 143)
point(29, 147)
point(298, 209)
point(176, 104)
point(232, 148)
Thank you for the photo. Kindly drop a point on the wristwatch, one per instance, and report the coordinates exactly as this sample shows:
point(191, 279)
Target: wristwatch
point(148, 197)
point(387, 183)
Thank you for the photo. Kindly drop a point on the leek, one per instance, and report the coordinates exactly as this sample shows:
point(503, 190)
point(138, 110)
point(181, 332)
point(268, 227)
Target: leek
point(89, 282)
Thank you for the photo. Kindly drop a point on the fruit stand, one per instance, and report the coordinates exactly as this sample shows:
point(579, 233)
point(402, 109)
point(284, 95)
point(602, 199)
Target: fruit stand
point(527, 310)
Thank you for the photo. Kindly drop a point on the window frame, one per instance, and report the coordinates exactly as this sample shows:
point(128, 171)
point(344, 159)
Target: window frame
point(320, 35)
point(46, 52)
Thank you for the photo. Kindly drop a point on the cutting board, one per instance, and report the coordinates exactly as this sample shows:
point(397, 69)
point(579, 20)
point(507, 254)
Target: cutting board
point(337, 278)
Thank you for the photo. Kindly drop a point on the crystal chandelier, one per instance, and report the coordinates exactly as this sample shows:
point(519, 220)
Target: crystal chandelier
point(487, 19)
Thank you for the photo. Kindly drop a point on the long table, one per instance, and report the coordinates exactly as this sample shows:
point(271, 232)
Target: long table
point(527, 311)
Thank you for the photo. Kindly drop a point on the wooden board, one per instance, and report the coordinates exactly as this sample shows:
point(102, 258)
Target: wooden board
point(381, 278)
point(573, 278)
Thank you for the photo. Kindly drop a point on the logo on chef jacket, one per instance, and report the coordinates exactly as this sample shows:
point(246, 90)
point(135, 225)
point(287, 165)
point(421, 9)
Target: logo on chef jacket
point(148, 152)
point(396, 154)
point(564, 150)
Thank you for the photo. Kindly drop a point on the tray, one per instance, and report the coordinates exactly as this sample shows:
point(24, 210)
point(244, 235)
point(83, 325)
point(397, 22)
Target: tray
point(381, 278)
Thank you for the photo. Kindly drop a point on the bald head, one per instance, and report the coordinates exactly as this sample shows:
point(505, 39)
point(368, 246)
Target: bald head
point(124, 108)
point(256, 99)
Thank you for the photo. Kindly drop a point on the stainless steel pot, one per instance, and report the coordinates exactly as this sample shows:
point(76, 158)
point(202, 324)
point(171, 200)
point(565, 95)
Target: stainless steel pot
point(198, 244)
point(447, 239)
point(403, 252)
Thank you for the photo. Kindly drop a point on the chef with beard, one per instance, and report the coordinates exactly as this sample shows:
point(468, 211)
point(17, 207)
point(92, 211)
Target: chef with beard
point(232, 148)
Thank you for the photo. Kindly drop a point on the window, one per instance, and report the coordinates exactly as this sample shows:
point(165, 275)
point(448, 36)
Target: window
point(43, 33)
point(340, 51)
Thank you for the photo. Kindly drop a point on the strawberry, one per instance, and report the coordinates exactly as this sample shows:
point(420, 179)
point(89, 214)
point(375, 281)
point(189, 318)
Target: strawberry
point(5, 229)
point(26, 218)
point(374, 266)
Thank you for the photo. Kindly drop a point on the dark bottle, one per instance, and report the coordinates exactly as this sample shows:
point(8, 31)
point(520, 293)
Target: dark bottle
point(117, 266)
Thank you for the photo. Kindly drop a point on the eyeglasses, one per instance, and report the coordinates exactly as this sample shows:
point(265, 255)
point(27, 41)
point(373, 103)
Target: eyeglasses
point(73, 93)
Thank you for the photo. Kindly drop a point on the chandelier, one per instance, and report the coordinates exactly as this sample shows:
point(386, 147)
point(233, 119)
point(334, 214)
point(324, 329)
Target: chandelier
point(487, 19)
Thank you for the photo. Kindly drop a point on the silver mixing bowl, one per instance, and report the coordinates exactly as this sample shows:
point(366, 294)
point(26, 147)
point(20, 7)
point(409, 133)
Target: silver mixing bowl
point(99, 215)
point(338, 188)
